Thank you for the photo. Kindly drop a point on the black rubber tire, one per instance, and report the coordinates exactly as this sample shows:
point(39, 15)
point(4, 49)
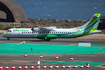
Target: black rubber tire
point(47, 39)
point(8, 38)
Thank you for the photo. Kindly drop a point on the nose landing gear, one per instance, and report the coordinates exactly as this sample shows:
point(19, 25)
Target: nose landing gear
point(8, 38)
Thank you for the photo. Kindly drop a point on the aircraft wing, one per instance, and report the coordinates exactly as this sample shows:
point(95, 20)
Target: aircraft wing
point(44, 29)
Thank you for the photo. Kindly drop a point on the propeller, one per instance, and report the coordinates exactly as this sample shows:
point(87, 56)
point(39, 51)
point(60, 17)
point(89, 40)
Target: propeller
point(32, 29)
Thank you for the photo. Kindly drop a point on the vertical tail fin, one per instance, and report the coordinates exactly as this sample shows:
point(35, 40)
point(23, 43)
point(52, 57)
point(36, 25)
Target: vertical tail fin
point(92, 24)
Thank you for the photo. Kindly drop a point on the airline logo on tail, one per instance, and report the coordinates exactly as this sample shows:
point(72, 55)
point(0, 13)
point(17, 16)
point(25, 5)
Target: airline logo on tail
point(93, 23)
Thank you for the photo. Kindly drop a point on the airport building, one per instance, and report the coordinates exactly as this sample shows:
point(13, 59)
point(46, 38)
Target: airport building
point(102, 23)
point(11, 11)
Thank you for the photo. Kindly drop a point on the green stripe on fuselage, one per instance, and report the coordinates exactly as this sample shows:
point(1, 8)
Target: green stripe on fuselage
point(5, 32)
point(83, 34)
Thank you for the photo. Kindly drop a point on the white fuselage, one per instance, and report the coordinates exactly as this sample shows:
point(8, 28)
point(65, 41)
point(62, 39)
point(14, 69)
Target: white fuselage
point(28, 33)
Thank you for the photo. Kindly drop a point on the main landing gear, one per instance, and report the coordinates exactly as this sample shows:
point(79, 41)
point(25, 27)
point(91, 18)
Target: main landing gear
point(47, 39)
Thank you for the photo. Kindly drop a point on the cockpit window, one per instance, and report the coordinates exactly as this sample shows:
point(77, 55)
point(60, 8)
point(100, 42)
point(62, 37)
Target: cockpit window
point(9, 30)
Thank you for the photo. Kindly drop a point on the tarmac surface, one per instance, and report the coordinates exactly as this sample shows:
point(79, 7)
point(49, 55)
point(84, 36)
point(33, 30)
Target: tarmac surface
point(96, 61)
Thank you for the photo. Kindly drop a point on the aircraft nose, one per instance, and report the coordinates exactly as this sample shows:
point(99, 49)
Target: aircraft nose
point(4, 35)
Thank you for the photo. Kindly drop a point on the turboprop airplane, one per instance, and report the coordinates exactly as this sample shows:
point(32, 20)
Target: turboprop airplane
point(52, 32)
